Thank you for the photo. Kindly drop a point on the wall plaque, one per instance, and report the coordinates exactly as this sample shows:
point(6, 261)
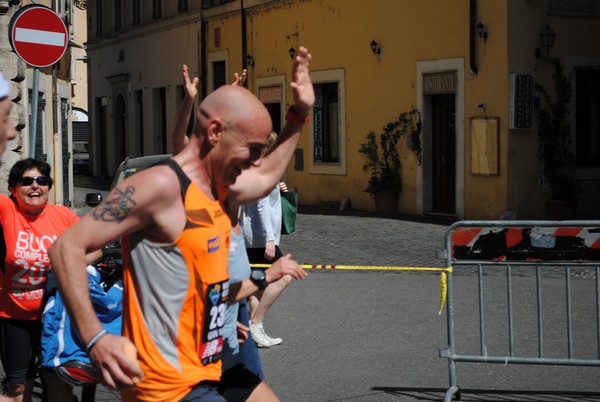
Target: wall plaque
point(572, 8)
point(439, 83)
point(270, 94)
point(520, 114)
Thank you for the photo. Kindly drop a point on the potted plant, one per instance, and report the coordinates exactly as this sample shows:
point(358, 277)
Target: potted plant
point(382, 155)
point(555, 145)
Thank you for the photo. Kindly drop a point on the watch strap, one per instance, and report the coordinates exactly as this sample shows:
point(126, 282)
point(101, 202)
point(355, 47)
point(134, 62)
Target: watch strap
point(260, 283)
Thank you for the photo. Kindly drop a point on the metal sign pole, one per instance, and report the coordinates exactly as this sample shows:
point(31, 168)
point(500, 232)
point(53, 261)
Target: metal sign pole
point(34, 111)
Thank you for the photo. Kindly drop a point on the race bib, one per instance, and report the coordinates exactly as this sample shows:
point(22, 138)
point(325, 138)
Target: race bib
point(214, 322)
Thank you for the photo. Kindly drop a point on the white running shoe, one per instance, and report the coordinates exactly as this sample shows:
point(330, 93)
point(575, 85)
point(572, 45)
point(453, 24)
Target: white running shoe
point(261, 338)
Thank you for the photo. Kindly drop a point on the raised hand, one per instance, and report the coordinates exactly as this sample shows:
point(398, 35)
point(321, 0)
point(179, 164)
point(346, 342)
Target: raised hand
point(191, 86)
point(302, 88)
point(239, 79)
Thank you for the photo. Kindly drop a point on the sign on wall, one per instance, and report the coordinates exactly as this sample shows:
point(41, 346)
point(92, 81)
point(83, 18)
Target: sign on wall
point(484, 146)
point(271, 94)
point(572, 8)
point(521, 101)
point(439, 83)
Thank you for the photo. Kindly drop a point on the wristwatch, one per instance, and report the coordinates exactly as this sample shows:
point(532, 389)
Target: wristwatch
point(258, 277)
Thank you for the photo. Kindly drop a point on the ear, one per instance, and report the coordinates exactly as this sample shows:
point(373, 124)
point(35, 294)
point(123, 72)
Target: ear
point(214, 131)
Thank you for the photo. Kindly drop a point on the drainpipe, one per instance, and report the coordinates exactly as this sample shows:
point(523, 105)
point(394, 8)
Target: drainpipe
point(202, 68)
point(244, 40)
point(472, 33)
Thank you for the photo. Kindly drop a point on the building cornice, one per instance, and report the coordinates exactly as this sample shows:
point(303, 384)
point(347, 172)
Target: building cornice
point(112, 38)
point(234, 7)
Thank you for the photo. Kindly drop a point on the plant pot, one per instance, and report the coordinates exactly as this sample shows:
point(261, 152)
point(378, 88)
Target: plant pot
point(386, 202)
point(560, 210)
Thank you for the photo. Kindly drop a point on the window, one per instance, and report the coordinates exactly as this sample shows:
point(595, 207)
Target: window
point(99, 18)
point(159, 120)
point(59, 7)
point(213, 3)
point(271, 93)
point(101, 126)
point(118, 15)
point(587, 117)
point(139, 120)
point(328, 127)
point(181, 96)
point(219, 74)
point(137, 12)
point(183, 5)
point(157, 9)
point(39, 117)
point(64, 134)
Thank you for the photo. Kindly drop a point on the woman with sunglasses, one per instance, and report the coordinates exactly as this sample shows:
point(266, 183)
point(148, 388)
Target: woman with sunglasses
point(29, 225)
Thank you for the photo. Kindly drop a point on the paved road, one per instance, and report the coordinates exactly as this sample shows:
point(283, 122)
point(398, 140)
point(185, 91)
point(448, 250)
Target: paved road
point(365, 336)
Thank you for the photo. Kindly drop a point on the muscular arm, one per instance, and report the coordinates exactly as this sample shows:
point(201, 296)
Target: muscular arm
point(256, 182)
point(132, 206)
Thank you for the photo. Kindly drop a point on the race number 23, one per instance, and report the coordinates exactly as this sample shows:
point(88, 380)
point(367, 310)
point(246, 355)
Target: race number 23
point(214, 321)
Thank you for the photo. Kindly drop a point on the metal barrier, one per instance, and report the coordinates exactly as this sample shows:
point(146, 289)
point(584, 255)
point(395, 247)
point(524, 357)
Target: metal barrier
point(523, 256)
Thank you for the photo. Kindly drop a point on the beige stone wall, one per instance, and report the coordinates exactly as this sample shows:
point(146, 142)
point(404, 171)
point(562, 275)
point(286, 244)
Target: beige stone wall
point(416, 37)
point(21, 77)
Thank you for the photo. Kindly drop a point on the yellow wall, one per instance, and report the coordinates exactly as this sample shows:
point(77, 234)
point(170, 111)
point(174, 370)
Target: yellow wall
point(338, 34)
point(416, 37)
point(485, 196)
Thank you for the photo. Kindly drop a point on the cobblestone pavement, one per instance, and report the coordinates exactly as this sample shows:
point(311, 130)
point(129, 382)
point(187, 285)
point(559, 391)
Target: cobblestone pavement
point(374, 336)
point(358, 238)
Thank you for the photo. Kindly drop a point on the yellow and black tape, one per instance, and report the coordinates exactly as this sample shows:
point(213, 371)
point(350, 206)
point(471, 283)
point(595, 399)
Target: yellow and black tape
point(443, 271)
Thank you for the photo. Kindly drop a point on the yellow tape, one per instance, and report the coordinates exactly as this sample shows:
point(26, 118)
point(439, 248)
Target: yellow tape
point(443, 290)
point(443, 278)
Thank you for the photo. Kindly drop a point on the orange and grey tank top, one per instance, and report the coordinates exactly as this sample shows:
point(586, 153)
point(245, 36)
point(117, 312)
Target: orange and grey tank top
point(176, 298)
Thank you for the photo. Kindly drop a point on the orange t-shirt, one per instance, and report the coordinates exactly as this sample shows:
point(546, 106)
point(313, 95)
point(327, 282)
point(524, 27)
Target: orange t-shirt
point(26, 262)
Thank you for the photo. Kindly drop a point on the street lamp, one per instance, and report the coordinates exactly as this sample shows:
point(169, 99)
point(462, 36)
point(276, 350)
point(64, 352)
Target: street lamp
point(547, 37)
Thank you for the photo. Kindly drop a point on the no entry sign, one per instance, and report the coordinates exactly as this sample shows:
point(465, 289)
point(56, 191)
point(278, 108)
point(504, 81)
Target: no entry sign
point(38, 35)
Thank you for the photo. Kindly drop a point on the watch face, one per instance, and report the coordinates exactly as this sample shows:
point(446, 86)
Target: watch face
point(258, 274)
point(259, 278)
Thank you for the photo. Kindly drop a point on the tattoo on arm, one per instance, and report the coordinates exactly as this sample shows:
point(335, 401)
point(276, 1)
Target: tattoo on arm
point(117, 207)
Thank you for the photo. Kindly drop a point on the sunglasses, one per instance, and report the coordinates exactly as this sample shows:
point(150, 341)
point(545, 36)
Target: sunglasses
point(28, 180)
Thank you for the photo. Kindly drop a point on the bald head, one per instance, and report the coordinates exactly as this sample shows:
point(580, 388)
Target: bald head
point(236, 107)
point(232, 128)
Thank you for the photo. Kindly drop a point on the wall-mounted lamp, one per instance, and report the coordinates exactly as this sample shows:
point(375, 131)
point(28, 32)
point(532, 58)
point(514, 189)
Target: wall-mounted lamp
point(481, 32)
point(375, 48)
point(483, 106)
point(250, 60)
point(292, 52)
point(547, 37)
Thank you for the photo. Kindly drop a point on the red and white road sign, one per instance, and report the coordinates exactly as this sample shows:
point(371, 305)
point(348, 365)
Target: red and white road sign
point(38, 35)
